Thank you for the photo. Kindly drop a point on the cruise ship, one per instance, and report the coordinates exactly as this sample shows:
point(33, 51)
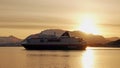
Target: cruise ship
point(52, 42)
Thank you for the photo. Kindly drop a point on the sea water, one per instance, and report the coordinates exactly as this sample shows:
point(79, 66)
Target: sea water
point(100, 57)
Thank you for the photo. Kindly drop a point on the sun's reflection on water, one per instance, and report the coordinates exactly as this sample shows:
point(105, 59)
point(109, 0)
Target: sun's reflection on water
point(88, 59)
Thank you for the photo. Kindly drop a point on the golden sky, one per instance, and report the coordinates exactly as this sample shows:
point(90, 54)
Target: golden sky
point(24, 17)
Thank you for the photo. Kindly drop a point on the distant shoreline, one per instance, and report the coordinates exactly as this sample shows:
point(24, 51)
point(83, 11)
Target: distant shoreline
point(11, 46)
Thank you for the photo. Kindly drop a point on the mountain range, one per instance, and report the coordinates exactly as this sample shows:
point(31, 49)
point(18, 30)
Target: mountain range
point(92, 40)
point(115, 43)
point(10, 41)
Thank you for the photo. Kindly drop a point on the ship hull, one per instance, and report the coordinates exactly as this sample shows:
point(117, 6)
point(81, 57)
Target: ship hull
point(54, 47)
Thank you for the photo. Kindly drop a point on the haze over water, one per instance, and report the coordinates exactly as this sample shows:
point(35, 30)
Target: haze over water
point(18, 57)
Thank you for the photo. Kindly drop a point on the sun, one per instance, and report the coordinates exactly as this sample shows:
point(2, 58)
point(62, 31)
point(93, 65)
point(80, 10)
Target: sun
point(88, 24)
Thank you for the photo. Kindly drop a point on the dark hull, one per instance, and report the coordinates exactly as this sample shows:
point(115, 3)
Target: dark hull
point(53, 47)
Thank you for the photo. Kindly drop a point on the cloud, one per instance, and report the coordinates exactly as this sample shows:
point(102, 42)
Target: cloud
point(110, 25)
point(41, 19)
point(42, 22)
point(26, 26)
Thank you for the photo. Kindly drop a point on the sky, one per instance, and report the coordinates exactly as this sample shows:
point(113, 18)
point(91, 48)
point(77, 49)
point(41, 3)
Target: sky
point(24, 17)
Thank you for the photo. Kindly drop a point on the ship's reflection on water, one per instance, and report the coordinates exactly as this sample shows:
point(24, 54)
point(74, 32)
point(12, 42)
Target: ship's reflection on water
point(48, 59)
point(60, 59)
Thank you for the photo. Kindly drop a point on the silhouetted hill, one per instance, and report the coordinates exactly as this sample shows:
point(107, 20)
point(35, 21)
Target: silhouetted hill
point(9, 41)
point(114, 43)
point(92, 40)
point(113, 38)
